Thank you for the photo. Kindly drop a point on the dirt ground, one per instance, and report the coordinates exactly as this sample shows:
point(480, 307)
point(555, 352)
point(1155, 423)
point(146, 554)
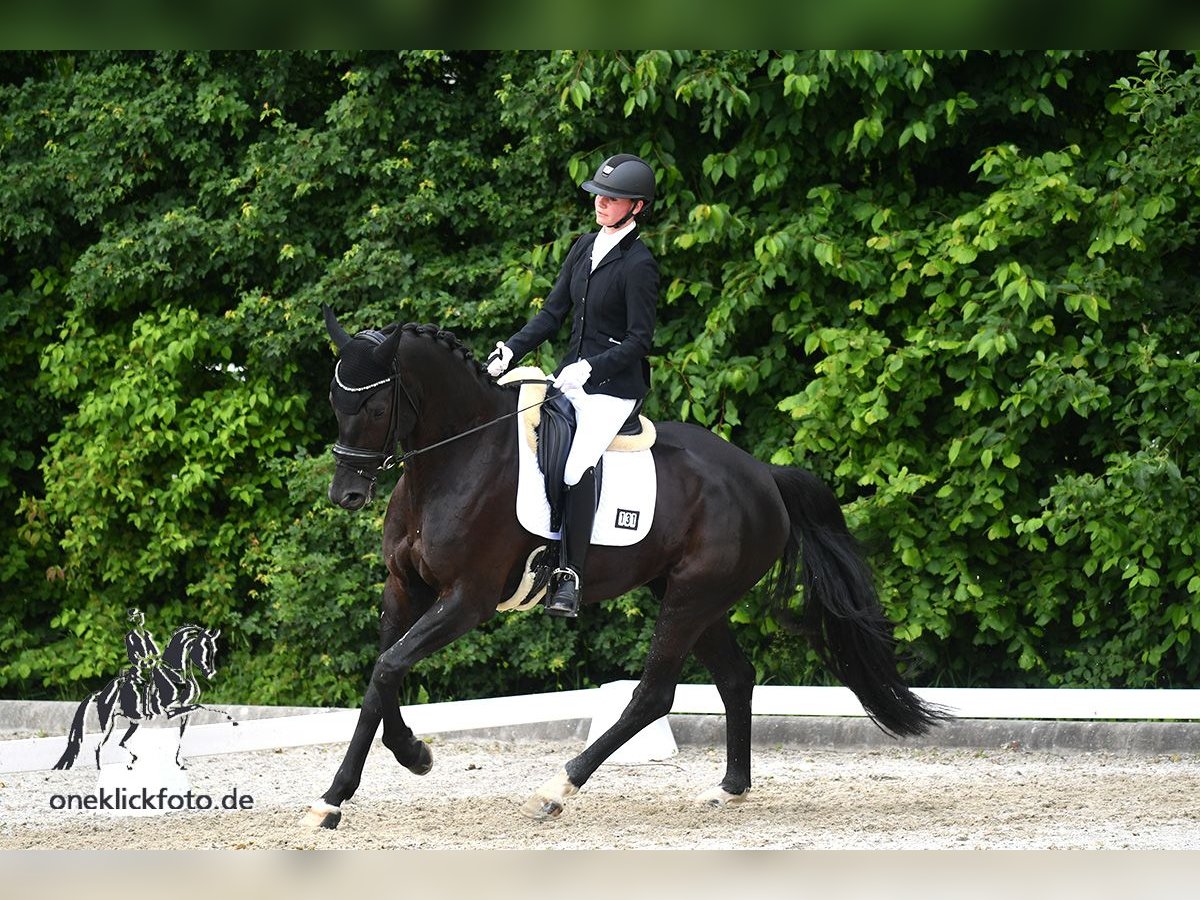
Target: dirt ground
point(899, 798)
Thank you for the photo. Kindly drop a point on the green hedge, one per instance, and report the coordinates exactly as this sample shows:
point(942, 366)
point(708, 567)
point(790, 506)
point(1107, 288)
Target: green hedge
point(958, 286)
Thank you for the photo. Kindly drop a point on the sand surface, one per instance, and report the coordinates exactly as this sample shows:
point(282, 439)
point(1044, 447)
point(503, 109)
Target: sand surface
point(899, 798)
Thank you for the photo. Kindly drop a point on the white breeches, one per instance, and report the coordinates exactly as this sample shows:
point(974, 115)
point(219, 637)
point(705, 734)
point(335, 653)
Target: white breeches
point(598, 418)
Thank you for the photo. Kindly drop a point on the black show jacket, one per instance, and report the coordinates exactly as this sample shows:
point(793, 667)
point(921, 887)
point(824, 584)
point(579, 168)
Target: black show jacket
point(612, 313)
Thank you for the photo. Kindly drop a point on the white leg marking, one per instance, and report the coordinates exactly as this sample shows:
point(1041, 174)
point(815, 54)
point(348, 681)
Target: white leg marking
point(317, 813)
point(547, 801)
point(718, 797)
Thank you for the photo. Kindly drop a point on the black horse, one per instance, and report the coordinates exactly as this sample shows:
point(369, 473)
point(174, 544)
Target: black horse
point(164, 687)
point(454, 550)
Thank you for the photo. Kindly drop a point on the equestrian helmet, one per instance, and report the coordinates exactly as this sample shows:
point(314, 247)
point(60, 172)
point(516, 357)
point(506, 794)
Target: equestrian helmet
point(625, 176)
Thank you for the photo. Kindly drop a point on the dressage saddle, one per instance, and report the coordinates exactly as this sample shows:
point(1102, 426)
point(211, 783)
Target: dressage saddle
point(555, 433)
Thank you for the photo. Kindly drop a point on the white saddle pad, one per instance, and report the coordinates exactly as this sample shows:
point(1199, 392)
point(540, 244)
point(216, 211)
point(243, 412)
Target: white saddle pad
point(628, 492)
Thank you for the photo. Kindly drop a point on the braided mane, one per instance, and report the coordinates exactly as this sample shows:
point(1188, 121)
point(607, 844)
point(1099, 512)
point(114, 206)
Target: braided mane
point(448, 340)
point(441, 335)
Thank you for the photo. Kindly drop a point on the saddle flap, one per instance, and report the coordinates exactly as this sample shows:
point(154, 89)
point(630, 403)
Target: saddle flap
point(554, 434)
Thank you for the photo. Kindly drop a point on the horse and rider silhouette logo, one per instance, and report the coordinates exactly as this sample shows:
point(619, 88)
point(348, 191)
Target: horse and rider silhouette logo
point(156, 684)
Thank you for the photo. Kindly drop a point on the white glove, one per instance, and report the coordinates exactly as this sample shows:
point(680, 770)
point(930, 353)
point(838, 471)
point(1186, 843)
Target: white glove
point(498, 360)
point(574, 376)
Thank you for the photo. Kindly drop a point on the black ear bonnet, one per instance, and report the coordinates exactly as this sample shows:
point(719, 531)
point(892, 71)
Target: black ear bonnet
point(359, 367)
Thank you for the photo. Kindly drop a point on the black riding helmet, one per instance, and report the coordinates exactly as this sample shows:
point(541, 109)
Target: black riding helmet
point(625, 176)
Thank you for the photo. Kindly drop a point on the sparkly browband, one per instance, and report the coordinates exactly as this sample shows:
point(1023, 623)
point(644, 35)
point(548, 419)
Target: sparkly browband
point(366, 387)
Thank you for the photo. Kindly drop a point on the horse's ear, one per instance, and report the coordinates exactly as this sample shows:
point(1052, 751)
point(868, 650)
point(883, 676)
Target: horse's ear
point(336, 331)
point(386, 352)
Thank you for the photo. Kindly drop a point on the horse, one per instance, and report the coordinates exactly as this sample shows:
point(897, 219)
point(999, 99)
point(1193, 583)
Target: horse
point(453, 549)
point(163, 687)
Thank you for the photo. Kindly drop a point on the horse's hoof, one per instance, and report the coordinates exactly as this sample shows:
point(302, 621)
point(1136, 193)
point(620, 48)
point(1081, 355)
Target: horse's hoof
point(541, 808)
point(322, 815)
point(424, 763)
point(547, 801)
point(718, 797)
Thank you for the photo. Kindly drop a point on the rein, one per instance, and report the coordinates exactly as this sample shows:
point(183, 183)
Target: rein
point(383, 460)
point(404, 457)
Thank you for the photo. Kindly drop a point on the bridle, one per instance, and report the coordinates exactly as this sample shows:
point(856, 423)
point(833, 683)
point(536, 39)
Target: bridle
point(359, 459)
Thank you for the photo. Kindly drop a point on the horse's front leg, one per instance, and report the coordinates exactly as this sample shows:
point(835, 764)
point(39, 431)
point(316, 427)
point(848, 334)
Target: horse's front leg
point(450, 617)
point(187, 710)
point(405, 599)
point(395, 621)
point(128, 734)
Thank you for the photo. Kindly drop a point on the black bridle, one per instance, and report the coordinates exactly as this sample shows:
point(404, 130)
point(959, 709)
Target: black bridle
point(360, 459)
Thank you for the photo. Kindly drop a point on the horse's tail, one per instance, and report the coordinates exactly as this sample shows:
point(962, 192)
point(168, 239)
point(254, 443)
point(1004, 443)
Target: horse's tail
point(75, 738)
point(841, 616)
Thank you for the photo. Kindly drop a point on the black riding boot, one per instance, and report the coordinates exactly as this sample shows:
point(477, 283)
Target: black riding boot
point(579, 511)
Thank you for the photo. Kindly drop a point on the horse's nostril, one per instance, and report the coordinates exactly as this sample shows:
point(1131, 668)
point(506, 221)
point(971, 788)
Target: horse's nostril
point(351, 499)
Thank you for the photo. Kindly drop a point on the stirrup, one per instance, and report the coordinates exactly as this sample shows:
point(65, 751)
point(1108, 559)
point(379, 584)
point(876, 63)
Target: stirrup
point(559, 575)
point(565, 600)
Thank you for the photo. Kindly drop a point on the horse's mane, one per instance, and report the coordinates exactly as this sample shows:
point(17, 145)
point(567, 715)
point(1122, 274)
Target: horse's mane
point(451, 342)
point(188, 628)
point(180, 640)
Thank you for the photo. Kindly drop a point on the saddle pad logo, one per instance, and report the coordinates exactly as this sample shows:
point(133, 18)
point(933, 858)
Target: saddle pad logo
point(627, 518)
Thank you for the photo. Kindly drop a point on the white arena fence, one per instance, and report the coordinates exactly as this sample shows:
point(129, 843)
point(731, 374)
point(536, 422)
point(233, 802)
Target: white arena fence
point(602, 705)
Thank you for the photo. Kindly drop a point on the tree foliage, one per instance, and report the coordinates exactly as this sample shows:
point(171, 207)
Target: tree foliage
point(958, 286)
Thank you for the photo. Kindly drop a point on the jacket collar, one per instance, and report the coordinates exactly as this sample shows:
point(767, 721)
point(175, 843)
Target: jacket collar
point(620, 249)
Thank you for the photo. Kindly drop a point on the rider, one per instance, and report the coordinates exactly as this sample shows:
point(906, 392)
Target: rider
point(604, 373)
point(139, 644)
point(144, 660)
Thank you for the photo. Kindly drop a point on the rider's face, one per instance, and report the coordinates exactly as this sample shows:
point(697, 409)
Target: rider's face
point(610, 210)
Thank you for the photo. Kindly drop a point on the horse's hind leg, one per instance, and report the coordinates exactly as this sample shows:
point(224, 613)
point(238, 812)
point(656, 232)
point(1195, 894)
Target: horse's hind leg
point(733, 674)
point(107, 714)
point(183, 723)
point(106, 726)
point(674, 634)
